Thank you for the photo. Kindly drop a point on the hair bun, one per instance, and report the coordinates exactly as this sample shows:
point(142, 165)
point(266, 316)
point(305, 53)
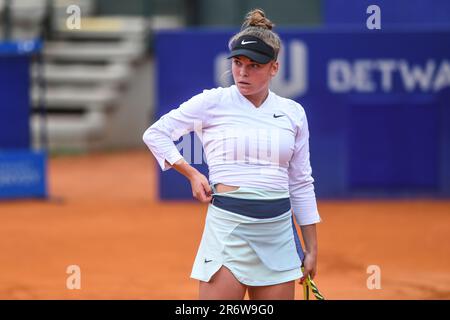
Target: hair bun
point(257, 18)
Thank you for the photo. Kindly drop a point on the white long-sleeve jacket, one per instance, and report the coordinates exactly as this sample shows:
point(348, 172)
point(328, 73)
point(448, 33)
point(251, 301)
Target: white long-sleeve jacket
point(265, 147)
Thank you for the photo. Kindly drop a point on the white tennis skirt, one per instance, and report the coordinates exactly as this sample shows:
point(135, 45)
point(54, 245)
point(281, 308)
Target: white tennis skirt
point(258, 252)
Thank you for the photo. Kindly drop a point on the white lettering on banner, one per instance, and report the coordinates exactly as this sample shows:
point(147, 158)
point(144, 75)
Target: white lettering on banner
point(339, 76)
point(363, 75)
point(297, 84)
point(360, 75)
point(19, 173)
point(442, 79)
point(292, 87)
point(386, 68)
point(415, 75)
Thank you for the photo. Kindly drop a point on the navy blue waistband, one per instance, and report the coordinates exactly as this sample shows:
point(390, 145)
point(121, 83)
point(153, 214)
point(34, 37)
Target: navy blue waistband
point(253, 208)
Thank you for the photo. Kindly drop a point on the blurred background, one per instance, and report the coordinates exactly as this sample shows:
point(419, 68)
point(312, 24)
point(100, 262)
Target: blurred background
point(81, 80)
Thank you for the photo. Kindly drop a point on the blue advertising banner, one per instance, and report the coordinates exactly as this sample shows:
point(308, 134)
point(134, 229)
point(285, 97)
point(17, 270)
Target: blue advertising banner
point(22, 171)
point(23, 174)
point(378, 104)
point(15, 93)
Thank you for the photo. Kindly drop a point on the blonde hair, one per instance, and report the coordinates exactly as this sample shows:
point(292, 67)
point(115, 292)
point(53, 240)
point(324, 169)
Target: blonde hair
point(256, 24)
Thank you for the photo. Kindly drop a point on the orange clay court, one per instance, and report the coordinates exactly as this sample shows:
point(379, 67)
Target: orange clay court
point(103, 215)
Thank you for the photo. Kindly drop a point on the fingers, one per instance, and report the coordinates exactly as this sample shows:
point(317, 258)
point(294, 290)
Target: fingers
point(310, 267)
point(207, 188)
point(203, 193)
point(205, 198)
point(201, 190)
point(208, 199)
point(311, 272)
point(306, 272)
point(202, 196)
point(206, 192)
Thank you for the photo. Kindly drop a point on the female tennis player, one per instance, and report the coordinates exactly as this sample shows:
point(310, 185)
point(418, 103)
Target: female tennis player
point(257, 150)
